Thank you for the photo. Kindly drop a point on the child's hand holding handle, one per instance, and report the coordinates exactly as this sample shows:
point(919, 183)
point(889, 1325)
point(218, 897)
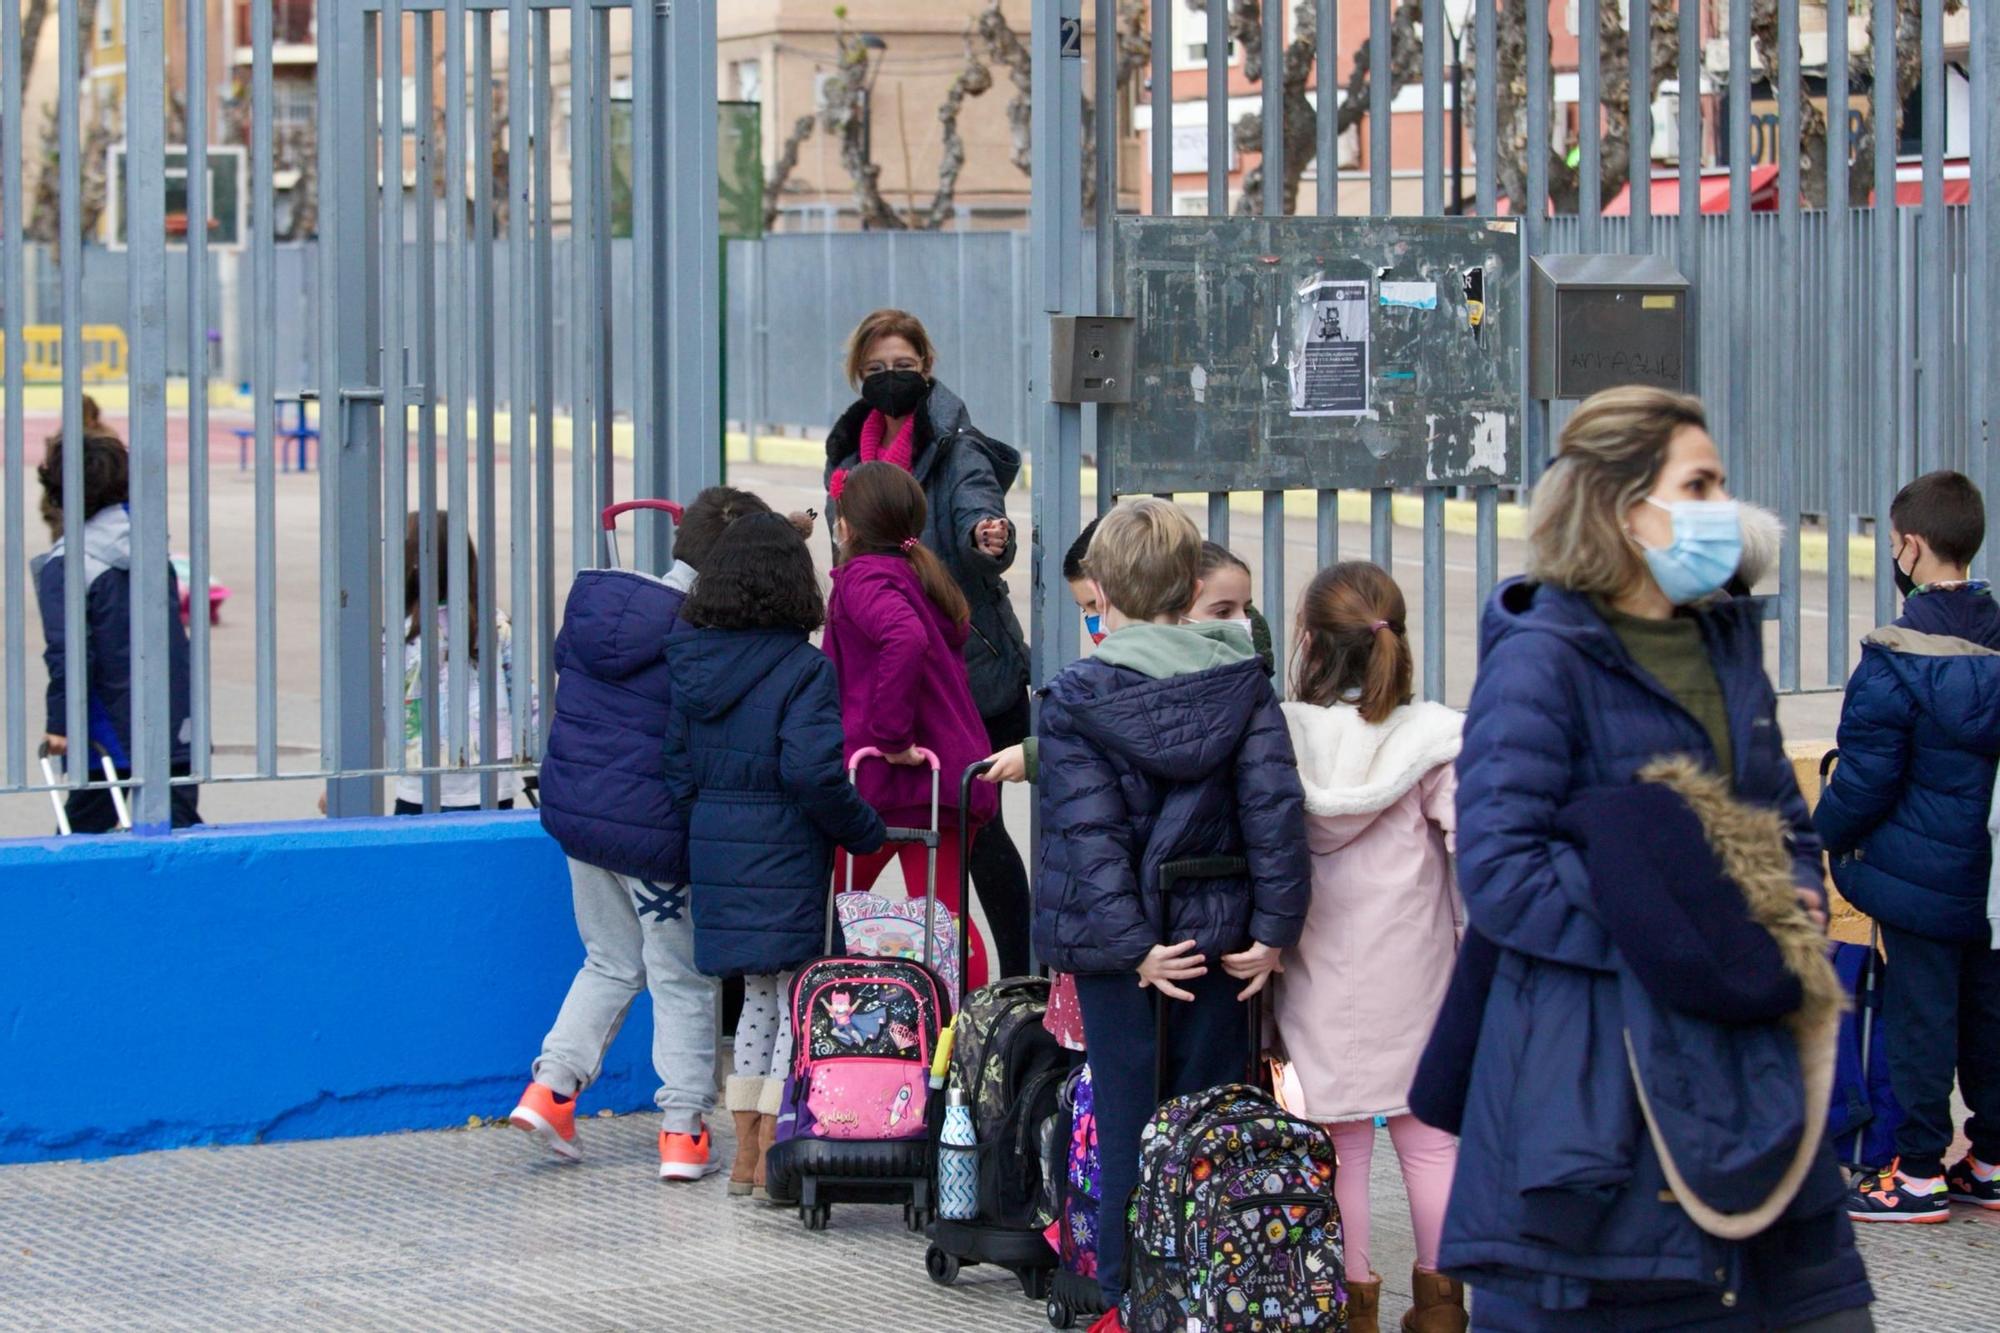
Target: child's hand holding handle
point(1165, 964)
point(1254, 965)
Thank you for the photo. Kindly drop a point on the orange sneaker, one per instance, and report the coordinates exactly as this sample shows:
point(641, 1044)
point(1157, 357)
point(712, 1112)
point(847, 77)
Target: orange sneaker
point(685, 1157)
point(551, 1121)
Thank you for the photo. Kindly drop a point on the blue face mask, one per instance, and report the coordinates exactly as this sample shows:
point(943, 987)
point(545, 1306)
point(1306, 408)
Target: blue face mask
point(1094, 627)
point(1707, 547)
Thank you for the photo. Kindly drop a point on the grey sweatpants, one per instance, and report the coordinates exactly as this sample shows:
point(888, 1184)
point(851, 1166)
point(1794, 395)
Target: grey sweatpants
point(636, 936)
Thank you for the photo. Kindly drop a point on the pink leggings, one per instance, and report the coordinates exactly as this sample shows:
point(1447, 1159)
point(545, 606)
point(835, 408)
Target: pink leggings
point(1427, 1156)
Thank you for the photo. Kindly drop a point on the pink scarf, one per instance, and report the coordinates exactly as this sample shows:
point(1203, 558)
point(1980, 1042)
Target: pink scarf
point(898, 451)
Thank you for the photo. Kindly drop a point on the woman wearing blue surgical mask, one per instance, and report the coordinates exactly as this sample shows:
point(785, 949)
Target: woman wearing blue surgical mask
point(1638, 1045)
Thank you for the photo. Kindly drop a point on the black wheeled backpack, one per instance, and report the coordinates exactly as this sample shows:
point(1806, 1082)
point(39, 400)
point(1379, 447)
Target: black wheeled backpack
point(1011, 1071)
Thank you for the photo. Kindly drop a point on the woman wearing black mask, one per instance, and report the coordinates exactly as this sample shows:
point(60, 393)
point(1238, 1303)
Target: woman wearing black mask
point(904, 416)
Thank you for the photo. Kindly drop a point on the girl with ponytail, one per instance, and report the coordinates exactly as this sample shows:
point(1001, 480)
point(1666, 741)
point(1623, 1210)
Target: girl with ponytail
point(896, 629)
point(1360, 990)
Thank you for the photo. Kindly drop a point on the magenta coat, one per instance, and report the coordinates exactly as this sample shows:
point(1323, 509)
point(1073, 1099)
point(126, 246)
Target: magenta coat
point(903, 683)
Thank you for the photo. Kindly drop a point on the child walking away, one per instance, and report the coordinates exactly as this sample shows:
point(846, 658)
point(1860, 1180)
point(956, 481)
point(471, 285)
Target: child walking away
point(896, 629)
point(106, 634)
point(1905, 820)
point(456, 791)
point(605, 801)
point(754, 765)
point(1364, 983)
point(1166, 744)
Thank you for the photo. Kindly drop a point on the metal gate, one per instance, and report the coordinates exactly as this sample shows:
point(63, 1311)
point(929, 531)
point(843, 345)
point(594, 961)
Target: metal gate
point(1921, 318)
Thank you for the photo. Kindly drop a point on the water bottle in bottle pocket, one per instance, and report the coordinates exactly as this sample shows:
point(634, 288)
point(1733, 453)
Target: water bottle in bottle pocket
point(958, 1171)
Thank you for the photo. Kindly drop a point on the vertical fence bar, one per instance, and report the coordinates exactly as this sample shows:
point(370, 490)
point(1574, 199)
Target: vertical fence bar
point(263, 377)
point(196, 101)
point(1056, 215)
point(545, 385)
point(1435, 37)
point(146, 294)
point(601, 339)
point(1791, 241)
point(1272, 90)
point(13, 294)
point(1639, 123)
point(1104, 167)
point(69, 224)
point(1983, 257)
point(1589, 126)
point(521, 548)
point(395, 399)
point(1217, 91)
point(1326, 172)
point(331, 419)
point(1161, 101)
point(430, 707)
point(1736, 429)
point(1840, 435)
point(1934, 291)
point(485, 374)
point(583, 133)
point(651, 540)
point(1687, 211)
point(1535, 215)
point(1886, 100)
point(1433, 75)
point(1381, 501)
point(692, 236)
point(1486, 186)
point(457, 407)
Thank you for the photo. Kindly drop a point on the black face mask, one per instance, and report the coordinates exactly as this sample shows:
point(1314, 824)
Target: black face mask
point(1906, 583)
point(895, 393)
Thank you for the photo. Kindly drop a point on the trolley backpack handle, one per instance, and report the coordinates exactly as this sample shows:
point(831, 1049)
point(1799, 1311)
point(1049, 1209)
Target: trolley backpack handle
point(965, 781)
point(923, 837)
point(608, 520)
point(1171, 874)
point(117, 789)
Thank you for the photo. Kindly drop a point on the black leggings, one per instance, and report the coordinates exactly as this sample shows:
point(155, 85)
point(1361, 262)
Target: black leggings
point(997, 871)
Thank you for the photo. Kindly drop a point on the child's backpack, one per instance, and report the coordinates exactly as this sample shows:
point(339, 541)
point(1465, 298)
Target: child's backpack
point(1233, 1224)
point(1083, 1177)
point(865, 1032)
point(1011, 1072)
point(880, 927)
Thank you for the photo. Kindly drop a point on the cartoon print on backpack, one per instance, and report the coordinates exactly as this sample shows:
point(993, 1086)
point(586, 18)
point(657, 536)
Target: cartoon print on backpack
point(864, 1020)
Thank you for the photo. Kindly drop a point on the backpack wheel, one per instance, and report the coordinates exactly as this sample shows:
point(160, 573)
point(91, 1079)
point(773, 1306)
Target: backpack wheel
point(1036, 1283)
point(815, 1216)
point(1060, 1315)
point(942, 1267)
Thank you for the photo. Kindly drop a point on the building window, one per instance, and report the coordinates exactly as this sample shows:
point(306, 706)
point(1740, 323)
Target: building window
point(1194, 55)
point(295, 104)
point(749, 76)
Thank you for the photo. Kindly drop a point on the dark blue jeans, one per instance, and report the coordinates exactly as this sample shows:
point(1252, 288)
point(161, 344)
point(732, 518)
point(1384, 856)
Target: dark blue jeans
point(1940, 1016)
point(1207, 1042)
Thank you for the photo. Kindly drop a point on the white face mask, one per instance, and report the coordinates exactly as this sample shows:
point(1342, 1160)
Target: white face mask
point(1239, 622)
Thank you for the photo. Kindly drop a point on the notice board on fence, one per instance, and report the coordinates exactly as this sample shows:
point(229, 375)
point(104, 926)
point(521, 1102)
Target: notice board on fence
point(1308, 353)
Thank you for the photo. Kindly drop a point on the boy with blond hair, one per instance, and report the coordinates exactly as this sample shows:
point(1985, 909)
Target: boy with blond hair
point(1166, 744)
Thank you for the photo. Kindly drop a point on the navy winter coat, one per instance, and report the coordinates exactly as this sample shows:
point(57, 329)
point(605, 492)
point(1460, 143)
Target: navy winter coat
point(1556, 1214)
point(604, 785)
point(1905, 814)
point(1137, 770)
point(965, 475)
point(107, 572)
point(753, 758)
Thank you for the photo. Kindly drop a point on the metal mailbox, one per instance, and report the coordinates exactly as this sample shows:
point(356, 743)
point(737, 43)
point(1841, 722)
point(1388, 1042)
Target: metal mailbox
point(1599, 321)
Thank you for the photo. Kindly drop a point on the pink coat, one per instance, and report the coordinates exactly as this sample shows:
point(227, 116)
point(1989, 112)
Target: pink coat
point(1362, 987)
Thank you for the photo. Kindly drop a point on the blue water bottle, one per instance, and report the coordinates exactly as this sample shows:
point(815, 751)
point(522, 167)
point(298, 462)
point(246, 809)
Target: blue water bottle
point(958, 1174)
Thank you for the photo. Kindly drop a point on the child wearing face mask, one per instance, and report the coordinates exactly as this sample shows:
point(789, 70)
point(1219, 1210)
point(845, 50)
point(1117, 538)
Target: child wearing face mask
point(1905, 819)
point(1225, 597)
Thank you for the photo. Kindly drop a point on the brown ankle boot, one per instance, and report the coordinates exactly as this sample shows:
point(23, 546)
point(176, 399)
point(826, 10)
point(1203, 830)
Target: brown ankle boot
point(1364, 1304)
point(1439, 1304)
point(768, 1103)
point(740, 1097)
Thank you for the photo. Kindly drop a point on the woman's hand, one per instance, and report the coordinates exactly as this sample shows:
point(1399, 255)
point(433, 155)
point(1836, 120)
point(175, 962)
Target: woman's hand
point(1254, 965)
point(1165, 964)
point(1010, 765)
point(991, 536)
point(802, 521)
point(59, 745)
point(909, 758)
point(1815, 904)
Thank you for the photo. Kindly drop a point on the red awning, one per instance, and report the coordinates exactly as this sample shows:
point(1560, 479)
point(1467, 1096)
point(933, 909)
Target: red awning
point(1714, 187)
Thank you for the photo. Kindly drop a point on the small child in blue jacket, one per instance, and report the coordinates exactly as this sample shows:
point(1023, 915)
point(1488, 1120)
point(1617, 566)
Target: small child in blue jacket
point(106, 632)
point(1905, 820)
point(1165, 744)
point(605, 800)
point(753, 756)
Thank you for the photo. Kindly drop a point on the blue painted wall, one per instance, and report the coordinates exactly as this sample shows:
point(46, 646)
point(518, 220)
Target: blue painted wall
point(286, 981)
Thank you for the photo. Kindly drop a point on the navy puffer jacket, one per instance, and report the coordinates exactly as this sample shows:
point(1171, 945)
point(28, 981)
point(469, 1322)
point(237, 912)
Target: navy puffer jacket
point(1905, 814)
point(1557, 1213)
point(753, 758)
point(604, 788)
point(1138, 768)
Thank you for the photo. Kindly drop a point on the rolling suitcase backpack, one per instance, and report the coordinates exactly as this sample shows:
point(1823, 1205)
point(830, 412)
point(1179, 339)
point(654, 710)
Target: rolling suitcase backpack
point(1074, 1293)
point(854, 1126)
point(1010, 1071)
point(1232, 1225)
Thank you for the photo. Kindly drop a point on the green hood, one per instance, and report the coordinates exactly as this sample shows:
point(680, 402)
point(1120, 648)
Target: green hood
point(1166, 651)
